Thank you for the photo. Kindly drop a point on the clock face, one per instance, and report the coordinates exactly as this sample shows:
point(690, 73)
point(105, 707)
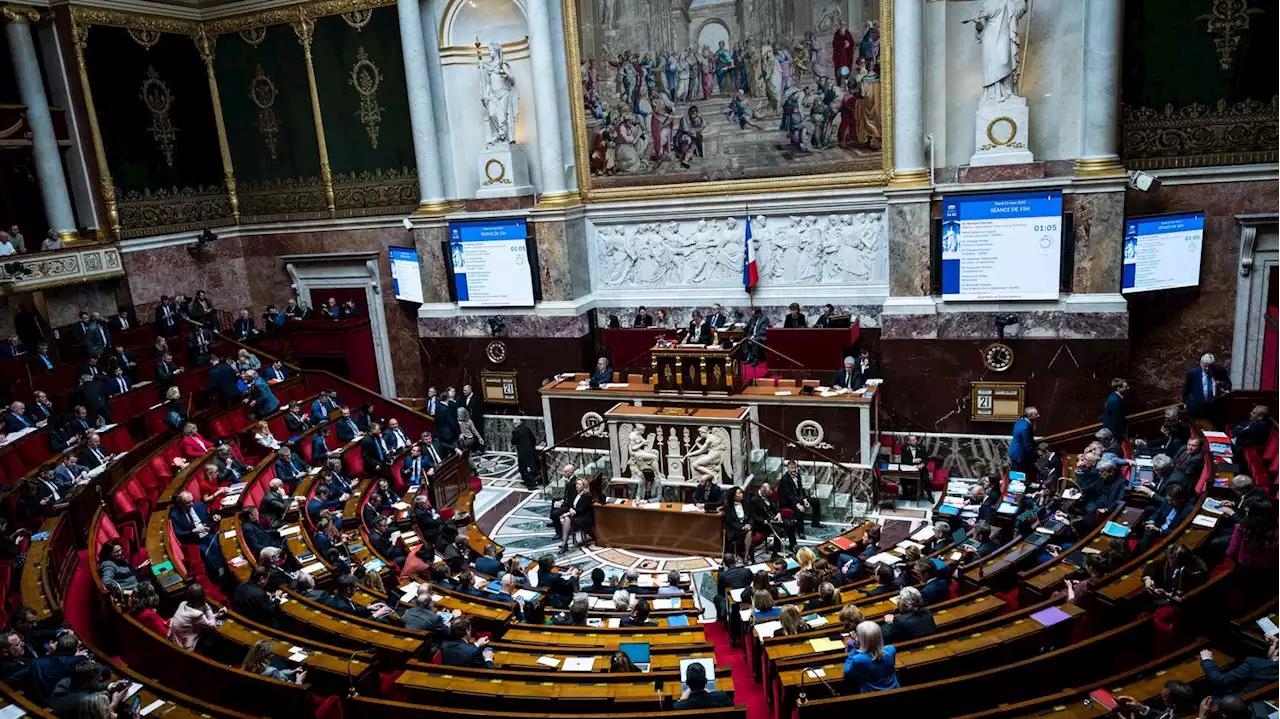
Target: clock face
point(496, 352)
point(998, 357)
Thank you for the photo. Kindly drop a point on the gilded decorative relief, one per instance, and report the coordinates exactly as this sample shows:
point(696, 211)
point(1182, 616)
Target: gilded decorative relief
point(365, 78)
point(1227, 20)
point(155, 94)
point(357, 19)
point(146, 38)
point(254, 35)
point(263, 93)
point(182, 209)
point(1198, 135)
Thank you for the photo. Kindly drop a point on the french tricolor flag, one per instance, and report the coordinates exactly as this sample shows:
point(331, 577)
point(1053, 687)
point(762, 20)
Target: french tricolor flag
point(750, 275)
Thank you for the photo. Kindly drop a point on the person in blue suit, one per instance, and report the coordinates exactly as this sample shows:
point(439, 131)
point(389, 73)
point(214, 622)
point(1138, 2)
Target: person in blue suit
point(1204, 385)
point(264, 400)
point(289, 468)
point(320, 445)
point(1022, 450)
point(276, 372)
point(346, 427)
point(1172, 511)
point(193, 524)
point(15, 420)
point(1113, 412)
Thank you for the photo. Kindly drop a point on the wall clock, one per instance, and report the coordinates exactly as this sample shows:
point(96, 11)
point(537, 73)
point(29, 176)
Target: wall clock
point(998, 357)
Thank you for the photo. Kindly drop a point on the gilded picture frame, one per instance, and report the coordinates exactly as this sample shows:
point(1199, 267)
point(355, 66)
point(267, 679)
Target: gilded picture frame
point(814, 182)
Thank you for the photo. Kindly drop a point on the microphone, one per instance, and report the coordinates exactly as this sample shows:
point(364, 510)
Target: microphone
point(803, 699)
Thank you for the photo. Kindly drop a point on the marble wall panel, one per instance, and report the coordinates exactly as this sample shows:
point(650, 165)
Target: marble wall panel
point(219, 269)
point(1099, 232)
point(909, 226)
point(667, 315)
point(1172, 328)
point(455, 361)
point(524, 326)
point(429, 241)
point(554, 268)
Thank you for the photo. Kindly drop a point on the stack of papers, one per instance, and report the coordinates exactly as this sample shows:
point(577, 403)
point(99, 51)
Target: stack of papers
point(1205, 520)
point(884, 558)
point(1111, 529)
point(766, 630)
point(825, 644)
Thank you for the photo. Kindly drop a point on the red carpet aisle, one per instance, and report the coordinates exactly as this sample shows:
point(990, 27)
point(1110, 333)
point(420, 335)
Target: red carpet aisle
point(745, 689)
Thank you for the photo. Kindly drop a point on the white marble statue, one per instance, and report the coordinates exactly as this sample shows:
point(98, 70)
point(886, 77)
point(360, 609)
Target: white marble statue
point(500, 98)
point(997, 30)
point(642, 455)
point(707, 455)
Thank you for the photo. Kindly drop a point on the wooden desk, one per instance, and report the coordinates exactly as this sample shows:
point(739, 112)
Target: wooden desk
point(1043, 580)
point(661, 528)
point(549, 636)
point(388, 709)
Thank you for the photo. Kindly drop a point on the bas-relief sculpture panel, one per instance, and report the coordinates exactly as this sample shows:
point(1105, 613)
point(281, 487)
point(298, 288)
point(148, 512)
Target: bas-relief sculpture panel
point(802, 250)
point(678, 91)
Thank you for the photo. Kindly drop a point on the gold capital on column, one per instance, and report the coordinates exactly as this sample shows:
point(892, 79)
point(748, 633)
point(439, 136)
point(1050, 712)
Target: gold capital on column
point(80, 37)
point(19, 13)
point(206, 45)
point(305, 28)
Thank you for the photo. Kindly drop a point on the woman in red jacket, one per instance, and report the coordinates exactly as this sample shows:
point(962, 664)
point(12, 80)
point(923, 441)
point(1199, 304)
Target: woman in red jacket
point(193, 444)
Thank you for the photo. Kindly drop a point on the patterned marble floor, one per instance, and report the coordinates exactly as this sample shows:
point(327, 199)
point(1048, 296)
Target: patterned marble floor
point(518, 520)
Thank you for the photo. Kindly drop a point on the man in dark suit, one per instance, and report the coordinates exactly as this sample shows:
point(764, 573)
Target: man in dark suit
point(92, 368)
point(321, 501)
point(275, 502)
point(256, 536)
point(708, 494)
point(717, 320)
point(824, 319)
point(1113, 412)
point(80, 330)
point(526, 445)
point(912, 620)
point(792, 495)
point(731, 576)
point(1250, 675)
point(1022, 448)
point(1253, 432)
point(1166, 476)
point(422, 617)
point(446, 421)
point(1049, 467)
point(346, 428)
point(758, 330)
point(94, 453)
point(1171, 512)
point(293, 420)
point(119, 383)
point(244, 329)
point(122, 358)
point(42, 361)
point(699, 332)
point(1102, 498)
point(394, 437)
point(1190, 459)
point(194, 524)
point(322, 407)
point(92, 393)
point(69, 470)
point(166, 372)
point(795, 318)
point(230, 469)
point(463, 651)
point(763, 511)
point(166, 317)
point(642, 318)
point(276, 372)
point(474, 405)
point(342, 600)
point(200, 346)
point(320, 445)
point(122, 321)
point(489, 564)
point(380, 540)
point(252, 601)
point(431, 403)
point(867, 368)
point(847, 376)
point(435, 451)
point(12, 348)
point(40, 409)
point(96, 339)
point(373, 450)
point(426, 518)
point(1203, 387)
point(696, 696)
point(602, 375)
point(16, 420)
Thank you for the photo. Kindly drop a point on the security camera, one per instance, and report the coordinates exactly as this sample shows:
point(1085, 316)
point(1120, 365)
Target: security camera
point(1143, 181)
point(408, 224)
point(204, 238)
point(1004, 320)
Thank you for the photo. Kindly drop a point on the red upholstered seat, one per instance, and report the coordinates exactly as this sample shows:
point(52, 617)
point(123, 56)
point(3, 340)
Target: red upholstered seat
point(476, 484)
point(328, 707)
point(353, 462)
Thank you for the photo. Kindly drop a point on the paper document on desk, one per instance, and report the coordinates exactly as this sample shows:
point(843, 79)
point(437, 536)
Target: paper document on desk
point(313, 568)
point(579, 664)
point(1205, 520)
point(673, 603)
point(815, 620)
point(549, 662)
point(614, 622)
point(1071, 493)
point(290, 530)
point(151, 707)
point(924, 534)
point(792, 587)
point(884, 558)
point(768, 629)
point(826, 644)
point(746, 614)
point(904, 544)
point(401, 506)
point(736, 594)
point(14, 711)
point(690, 508)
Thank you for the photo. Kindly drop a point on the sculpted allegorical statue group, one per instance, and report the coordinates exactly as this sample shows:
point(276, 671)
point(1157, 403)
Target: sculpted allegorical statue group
point(794, 249)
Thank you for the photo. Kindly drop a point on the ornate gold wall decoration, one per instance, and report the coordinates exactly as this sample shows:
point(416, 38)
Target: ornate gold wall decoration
point(205, 45)
point(1227, 20)
point(156, 96)
point(365, 78)
point(373, 193)
point(357, 19)
point(254, 35)
point(179, 209)
point(146, 38)
point(1198, 135)
point(263, 93)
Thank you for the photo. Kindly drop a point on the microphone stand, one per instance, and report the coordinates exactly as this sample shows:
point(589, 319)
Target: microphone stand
point(803, 699)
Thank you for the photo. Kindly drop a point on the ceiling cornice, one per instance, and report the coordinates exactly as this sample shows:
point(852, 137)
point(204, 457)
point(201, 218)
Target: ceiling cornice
point(226, 12)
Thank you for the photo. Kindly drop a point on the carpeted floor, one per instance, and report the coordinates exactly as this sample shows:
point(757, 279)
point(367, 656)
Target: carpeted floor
point(745, 689)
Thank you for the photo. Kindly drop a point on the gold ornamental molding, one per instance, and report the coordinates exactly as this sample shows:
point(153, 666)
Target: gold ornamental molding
point(806, 183)
point(20, 13)
point(1227, 21)
point(138, 22)
point(1199, 135)
point(358, 11)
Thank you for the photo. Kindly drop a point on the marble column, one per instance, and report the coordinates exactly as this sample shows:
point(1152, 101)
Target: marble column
point(552, 190)
point(431, 197)
point(44, 143)
point(439, 103)
point(1100, 112)
point(909, 166)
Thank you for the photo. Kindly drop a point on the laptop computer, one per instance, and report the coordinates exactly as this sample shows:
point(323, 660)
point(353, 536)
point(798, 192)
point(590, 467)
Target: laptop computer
point(707, 663)
point(638, 652)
